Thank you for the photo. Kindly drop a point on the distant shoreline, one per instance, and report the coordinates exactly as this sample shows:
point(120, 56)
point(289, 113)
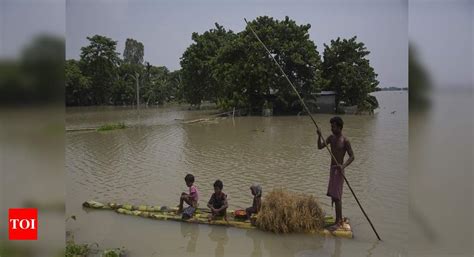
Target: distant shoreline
point(393, 89)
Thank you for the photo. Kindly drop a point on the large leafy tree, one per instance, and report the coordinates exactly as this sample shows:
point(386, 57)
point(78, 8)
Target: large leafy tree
point(198, 64)
point(419, 82)
point(248, 76)
point(12, 83)
point(38, 76)
point(349, 73)
point(77, 85)
point(133, 52)
point(99, 61)
point(131, 71)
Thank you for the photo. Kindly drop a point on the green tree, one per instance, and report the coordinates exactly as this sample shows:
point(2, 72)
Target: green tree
point(133, 52)
point(419, 82)
point(125, 89)
point(157, 85)
point(130, 70)
point(42, 64)
point(38, 76)
point(349, 73)
point(176, 83)
point(197, 64)
point(77, 85)
point(248, 77)
point(100, 61)
point(100, 77)
point(12, 83)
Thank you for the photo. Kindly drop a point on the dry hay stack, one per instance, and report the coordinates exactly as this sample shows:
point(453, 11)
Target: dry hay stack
point(285, 212)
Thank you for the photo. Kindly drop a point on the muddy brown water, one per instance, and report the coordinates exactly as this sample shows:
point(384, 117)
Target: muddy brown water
point(146, 164)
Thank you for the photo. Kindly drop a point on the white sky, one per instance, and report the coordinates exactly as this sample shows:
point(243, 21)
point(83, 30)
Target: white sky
point(165, 27)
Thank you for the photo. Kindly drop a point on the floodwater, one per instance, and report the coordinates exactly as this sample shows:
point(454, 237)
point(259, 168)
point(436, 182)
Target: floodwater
point(146, 164)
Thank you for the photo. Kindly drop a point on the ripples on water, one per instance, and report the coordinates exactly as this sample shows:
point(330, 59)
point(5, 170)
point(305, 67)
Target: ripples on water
point(147, 163)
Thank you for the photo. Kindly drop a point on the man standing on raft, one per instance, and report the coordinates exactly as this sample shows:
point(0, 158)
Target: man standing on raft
point(339, 146)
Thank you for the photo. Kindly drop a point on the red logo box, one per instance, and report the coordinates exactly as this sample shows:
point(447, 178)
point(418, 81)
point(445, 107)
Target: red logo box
point(23, 224)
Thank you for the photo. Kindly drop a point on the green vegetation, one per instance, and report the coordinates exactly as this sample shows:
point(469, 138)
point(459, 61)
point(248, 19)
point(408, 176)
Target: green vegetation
point(76, 250)
point(85, 250)
point(101, 77)
point(108, 127)
point(112, 253)
point(134, 51)
point(37, 76)
point(233, 70)
point(199, 65)
point(226, 68)
point(419, 81)
point(349, 73)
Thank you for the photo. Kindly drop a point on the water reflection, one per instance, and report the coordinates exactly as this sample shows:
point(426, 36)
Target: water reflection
point(219, 235)
point(257, 242)
point(331, 247)
point(371, 250)
point(337, 247)
point(190, 232)
point(292, 244)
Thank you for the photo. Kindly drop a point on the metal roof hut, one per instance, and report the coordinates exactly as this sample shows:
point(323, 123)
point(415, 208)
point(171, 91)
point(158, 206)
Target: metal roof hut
point(325, 102)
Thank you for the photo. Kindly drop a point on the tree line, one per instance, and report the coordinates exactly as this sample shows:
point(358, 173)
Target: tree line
point(227, 68)
point(36, 75)
point(101, 77)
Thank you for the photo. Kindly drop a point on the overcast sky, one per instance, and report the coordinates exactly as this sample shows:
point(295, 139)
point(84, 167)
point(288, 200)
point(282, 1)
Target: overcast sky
point(441, 30)
point(165, 27)
point(22, 20)
point(442, 33)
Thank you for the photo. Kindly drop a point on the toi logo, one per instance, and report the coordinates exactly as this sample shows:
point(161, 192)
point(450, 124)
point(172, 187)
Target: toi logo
point(23, 224)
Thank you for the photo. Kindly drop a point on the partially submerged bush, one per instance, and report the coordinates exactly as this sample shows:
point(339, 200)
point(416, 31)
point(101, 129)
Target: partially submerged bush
point(76, 250)
point(108, 127)
point(113, 253)
point(285, 212)
point(85, 250)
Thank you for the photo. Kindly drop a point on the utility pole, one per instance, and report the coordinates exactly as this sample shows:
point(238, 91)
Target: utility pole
point(138, 90)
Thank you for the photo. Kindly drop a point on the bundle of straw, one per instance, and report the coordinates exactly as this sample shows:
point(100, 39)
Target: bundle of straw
point(285, 212)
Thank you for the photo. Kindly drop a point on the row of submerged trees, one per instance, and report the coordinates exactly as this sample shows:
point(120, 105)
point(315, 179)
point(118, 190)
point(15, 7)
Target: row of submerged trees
point(229, 69)
point(101, 77)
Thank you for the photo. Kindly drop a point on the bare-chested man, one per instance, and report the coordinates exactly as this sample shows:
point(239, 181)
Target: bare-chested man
point(339, 146)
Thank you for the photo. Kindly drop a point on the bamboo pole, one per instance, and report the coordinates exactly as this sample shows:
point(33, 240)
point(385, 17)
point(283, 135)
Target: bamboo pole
point(314, 122)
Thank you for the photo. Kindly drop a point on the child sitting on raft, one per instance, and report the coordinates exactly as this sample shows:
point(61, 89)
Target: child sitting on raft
point(257, 200)
point(190, 198)
point(218, 202)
